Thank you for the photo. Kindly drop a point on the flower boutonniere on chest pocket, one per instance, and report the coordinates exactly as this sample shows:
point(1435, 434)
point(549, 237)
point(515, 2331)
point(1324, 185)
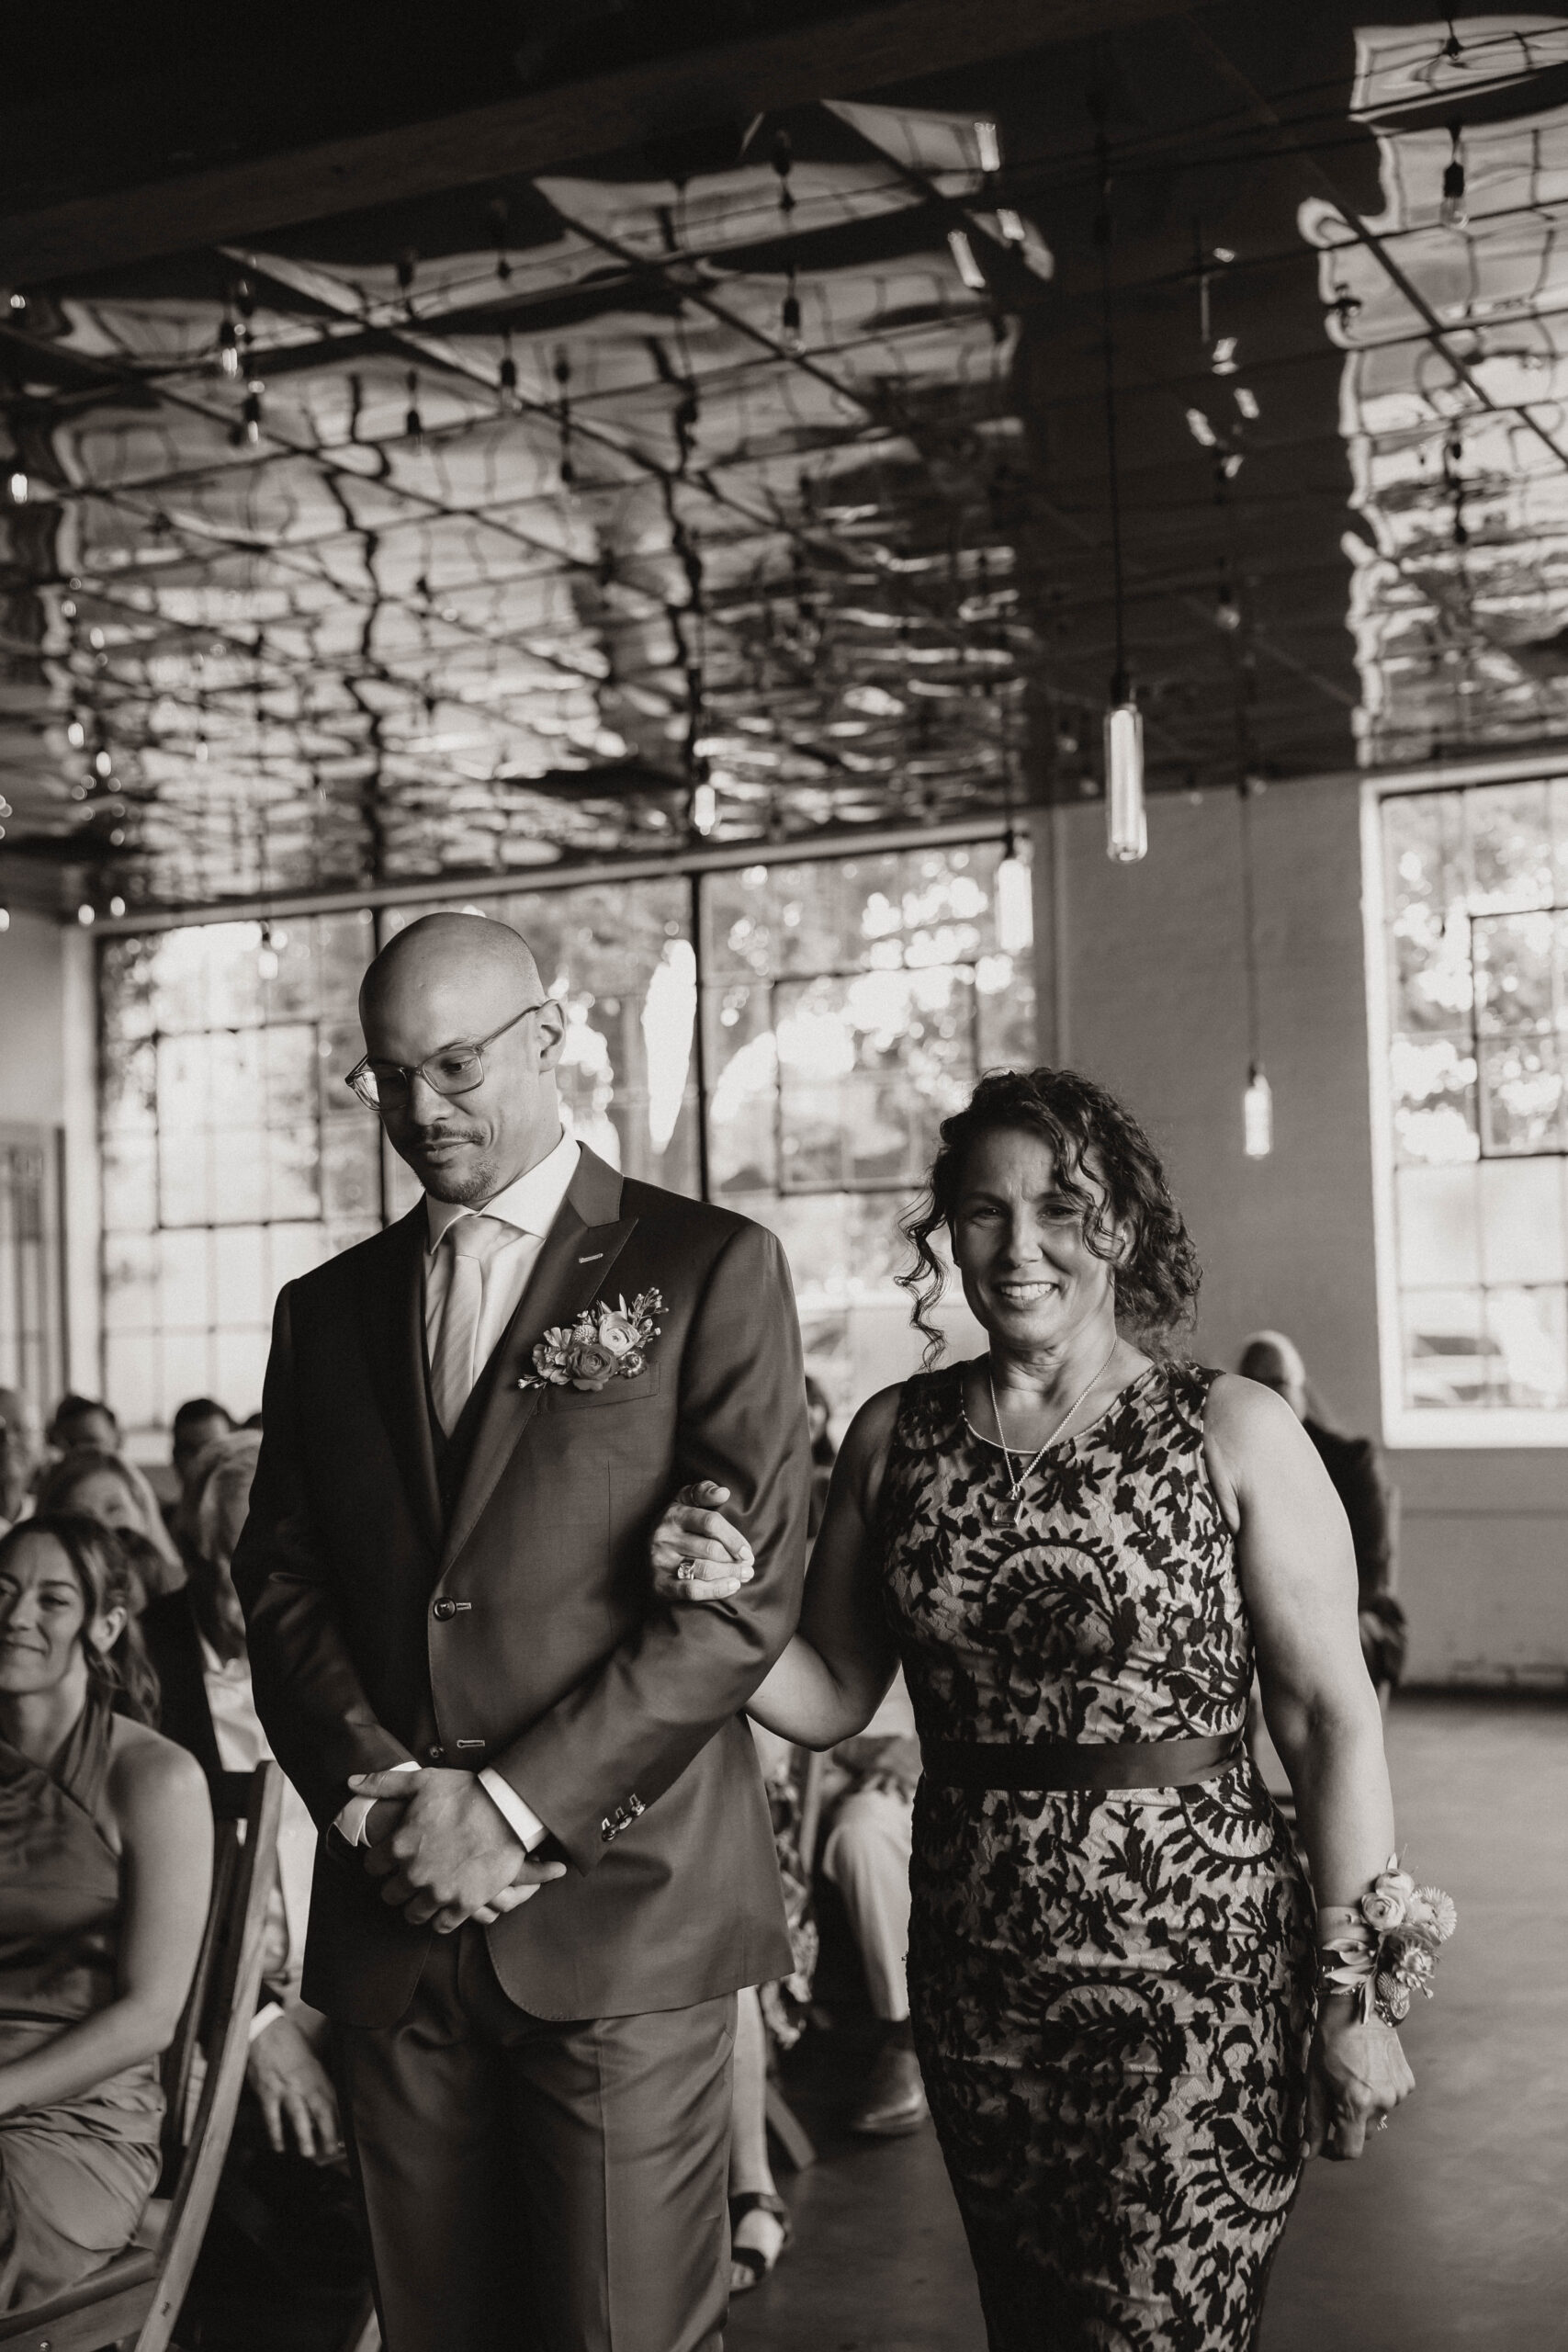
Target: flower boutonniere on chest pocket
point(605, 1344)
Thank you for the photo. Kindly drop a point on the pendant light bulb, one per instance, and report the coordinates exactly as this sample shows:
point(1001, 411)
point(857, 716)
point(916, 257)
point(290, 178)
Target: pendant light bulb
point(1257, 1114)
point(705, 808)
point(18, 485)
point(1126, 821)
point(1014, 905)
point(1453, 212)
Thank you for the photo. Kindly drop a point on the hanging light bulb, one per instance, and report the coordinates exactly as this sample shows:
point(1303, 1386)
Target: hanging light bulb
point(413, 423)
point(250, 414)
point(87, 914)
point(705, 808)
point(117, 907)
point(789, 317)
point(508, 376)
point(1257, 1114)
point(963, 253)
point(18, 485)
point(76, 734)
point(4, 919)
point(1453, 212)
point(228, 349)
point(1014, 904)
point(1127, 819)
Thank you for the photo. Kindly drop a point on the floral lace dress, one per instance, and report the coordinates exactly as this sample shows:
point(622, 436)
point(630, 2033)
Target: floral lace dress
point(1111, 1991)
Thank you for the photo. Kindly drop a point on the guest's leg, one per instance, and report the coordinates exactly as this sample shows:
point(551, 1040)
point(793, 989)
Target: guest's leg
point(867, 1857)
point(621, 2128)
point(760, 2230)
point(425, 2112)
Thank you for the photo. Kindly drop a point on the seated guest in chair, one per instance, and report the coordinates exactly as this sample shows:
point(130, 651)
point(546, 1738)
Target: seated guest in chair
point(106, 1865)
point(1355, 1468)
point(282, 2260)
point(105, 1486)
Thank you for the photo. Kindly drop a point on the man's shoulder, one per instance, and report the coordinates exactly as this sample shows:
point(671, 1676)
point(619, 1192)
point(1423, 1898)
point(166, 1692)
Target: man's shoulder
point(678, 1217)
point(336, 1277)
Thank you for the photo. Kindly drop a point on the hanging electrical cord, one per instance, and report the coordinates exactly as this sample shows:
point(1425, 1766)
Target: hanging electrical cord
point(1258, 1100)
point(1126, 821)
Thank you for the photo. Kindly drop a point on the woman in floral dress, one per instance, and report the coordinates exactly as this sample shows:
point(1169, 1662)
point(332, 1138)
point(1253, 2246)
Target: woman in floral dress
point(1076, 1545)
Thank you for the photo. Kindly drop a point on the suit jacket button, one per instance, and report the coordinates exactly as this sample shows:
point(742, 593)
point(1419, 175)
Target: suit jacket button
point(434, 1755)
point(443, 1608)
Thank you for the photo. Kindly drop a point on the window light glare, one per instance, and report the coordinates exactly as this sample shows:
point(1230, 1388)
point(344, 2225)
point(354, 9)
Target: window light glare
point(969, 269)
point(1127, 819)
point(1257, 1115)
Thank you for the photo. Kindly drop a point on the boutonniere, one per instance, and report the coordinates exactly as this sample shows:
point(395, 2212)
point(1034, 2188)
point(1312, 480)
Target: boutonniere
point(605, 1344)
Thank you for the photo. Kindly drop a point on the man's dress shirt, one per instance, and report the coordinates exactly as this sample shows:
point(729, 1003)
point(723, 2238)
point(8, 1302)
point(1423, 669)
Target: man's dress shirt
point(241, 1746)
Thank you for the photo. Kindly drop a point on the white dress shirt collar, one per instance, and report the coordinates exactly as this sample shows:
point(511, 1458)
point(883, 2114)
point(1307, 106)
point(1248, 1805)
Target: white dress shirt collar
point(530, 1203)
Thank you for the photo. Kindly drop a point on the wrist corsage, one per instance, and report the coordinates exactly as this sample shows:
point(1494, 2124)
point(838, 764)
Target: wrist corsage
point(1389, 1948)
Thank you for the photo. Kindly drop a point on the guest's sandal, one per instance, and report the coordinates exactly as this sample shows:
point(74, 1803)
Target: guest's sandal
point(751, 2259)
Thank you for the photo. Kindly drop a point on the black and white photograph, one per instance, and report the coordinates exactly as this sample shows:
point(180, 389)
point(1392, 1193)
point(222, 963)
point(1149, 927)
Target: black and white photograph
point(784, 1177)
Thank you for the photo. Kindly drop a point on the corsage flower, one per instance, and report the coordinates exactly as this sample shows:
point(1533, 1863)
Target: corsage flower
point(604, 1343)
point(1390, 1953)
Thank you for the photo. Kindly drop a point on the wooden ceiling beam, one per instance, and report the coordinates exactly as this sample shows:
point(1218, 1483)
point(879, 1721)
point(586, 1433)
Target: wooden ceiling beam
point(540, 131)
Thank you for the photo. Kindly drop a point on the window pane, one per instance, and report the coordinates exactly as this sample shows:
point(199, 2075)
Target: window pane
point(239, 1368)
point(1450, 1360)
point(131, 1183)
point(1521, 1221)
point(1527, 1329)
point(1440, 1237)
point(239, 1292)
point(130, 1282)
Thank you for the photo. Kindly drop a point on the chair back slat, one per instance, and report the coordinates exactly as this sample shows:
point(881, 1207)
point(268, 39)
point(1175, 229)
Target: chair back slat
point(234, 1981)
point(179, 2060)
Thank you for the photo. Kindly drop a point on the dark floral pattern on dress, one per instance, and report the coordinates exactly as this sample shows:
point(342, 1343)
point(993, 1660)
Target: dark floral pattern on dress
point(1111, 1992)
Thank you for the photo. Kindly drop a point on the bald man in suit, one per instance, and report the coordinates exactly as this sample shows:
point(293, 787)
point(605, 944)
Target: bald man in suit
point(546, 1863)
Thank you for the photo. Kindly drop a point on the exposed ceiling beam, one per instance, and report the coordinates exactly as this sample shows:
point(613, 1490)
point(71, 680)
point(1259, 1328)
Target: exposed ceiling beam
point(544, 130)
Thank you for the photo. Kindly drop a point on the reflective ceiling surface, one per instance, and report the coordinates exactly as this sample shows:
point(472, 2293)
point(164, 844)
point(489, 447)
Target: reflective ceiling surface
point(751, 481)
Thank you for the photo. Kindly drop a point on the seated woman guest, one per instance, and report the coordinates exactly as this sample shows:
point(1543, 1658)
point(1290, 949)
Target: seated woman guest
point(106, 1860)
point(105, 1486)
point(1075, 1544)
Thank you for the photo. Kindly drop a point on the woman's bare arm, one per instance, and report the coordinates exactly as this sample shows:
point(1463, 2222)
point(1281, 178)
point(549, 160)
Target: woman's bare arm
point(1298, 1574)
point(832, 1676)
point(158, 1796)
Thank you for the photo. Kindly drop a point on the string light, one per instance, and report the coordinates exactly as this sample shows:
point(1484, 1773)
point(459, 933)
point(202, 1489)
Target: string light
point(117, 907)
point(1453, 212)
point(413, 423)
point(1257, 1100)
point(18, 486)
point(963, 253)
point(229, 347)
point(250, 414)
point(705, 808)
point(87, 914)
point(1014, 904)
point(1126, 818)
point(4, 919)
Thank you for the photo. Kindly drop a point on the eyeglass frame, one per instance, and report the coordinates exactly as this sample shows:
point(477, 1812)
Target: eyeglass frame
point(409, 1071)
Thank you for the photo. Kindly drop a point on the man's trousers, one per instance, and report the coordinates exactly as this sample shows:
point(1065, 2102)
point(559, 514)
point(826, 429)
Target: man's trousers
point(533, 2186)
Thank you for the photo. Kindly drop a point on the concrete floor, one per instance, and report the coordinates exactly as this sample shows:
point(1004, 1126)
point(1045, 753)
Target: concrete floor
point(1449, 2234)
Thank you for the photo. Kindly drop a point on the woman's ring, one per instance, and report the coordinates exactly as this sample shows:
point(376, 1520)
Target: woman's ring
point(1383, 2123)
point(685, 1571)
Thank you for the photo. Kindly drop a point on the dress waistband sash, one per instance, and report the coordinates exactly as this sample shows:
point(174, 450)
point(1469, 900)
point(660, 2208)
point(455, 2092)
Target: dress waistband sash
point(1032, 1764)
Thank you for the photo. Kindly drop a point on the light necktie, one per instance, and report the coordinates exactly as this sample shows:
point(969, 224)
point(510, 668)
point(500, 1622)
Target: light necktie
point(473, 1242)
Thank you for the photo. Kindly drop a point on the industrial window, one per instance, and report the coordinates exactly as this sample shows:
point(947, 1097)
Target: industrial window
point(787, 1038)
point(1470, 1000)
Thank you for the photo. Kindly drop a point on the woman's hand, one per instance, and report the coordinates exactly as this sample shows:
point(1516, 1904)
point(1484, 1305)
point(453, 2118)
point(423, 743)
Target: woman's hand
point(696, 1555)
point(1358, 2075)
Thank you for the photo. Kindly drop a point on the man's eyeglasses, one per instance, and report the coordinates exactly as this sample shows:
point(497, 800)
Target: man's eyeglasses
point(455, 1069)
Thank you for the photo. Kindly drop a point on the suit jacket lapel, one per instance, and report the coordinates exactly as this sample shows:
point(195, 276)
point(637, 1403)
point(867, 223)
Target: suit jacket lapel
point(391, 1306)
point(578, 1252)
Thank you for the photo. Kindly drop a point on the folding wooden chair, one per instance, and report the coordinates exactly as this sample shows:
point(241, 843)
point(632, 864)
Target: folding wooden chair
point(135, 2299)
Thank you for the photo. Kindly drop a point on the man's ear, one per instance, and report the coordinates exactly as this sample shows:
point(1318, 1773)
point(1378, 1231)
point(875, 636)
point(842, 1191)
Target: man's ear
point(552, 1034)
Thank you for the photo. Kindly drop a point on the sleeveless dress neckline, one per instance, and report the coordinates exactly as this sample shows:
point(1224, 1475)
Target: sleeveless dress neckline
point(1025, 1452)
point(1111, 1990)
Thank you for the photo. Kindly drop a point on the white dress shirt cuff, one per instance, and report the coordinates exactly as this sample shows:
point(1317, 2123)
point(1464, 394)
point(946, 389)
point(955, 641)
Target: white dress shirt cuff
point(519, 1816)
point(268, 2013)
point(350, 1823)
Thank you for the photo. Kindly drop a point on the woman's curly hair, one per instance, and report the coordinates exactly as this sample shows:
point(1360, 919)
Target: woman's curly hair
point(1086, 1130)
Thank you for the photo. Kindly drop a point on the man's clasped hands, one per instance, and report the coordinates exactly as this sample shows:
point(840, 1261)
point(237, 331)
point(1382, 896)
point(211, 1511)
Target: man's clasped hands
point(444, 1851)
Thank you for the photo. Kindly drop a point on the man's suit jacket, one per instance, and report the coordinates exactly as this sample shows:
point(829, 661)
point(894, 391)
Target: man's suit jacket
point(1356, 1469)
point(173, 1645)
point(511, 1624)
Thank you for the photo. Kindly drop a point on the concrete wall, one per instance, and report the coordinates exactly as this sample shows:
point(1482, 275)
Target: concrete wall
point(1143, 984)
point(48, 1060)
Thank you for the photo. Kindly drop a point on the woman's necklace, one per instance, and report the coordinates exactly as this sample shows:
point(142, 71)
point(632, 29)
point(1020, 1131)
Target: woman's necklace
point(1016, 1484)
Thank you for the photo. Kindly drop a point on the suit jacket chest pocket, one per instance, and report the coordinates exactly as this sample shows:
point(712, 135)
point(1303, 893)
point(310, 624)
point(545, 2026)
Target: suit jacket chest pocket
point(615, 1396)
